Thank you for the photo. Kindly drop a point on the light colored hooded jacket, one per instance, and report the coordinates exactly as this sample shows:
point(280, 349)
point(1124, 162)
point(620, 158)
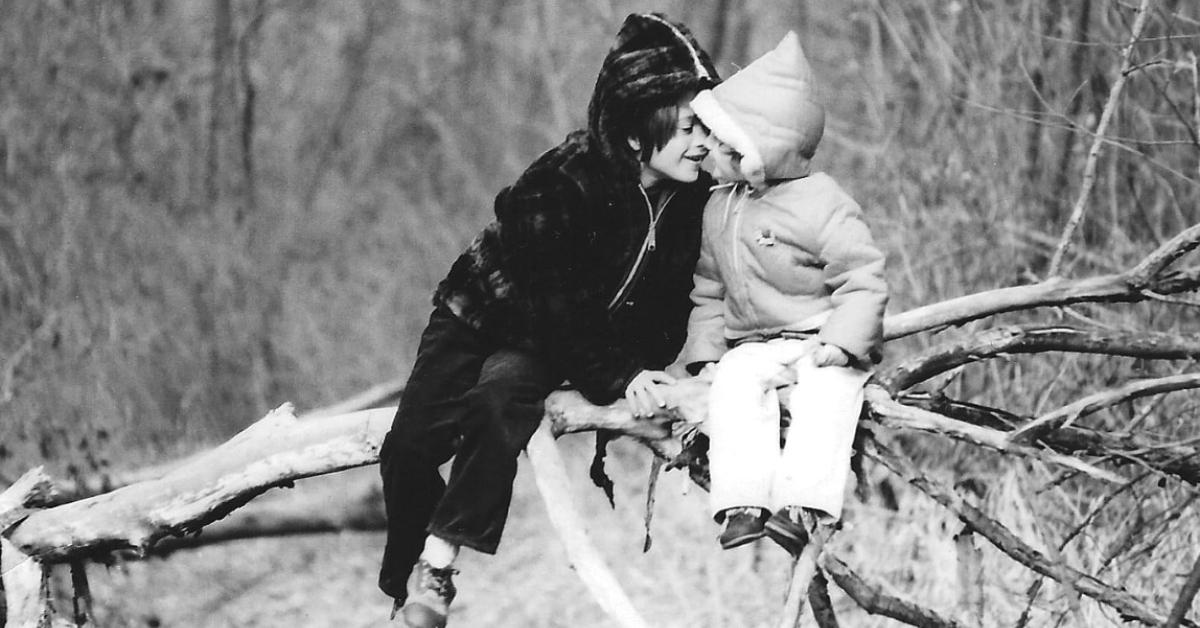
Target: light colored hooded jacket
point(788, 250)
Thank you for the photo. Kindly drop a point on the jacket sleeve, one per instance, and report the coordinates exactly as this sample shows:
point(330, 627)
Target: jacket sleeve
point(706, 323)
point(545, 237)
point(854, 274)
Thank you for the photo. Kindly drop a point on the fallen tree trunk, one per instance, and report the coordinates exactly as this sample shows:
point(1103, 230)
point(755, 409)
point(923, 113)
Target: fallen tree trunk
point(275, 451)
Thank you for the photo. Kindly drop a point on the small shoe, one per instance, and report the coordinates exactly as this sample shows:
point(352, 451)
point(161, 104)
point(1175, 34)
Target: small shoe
point(430, 591)
point(787, 528)
point(742, 525)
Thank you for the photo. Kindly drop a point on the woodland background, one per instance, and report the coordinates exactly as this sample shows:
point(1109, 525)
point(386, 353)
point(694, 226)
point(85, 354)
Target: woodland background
point(209, 208)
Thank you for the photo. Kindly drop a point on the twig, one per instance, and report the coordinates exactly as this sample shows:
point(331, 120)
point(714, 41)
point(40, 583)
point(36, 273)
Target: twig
point(1195, 68)
point(1174, 300)
point(1095, 511)
point(803, 571)
point(8, 372)
point(970, 573)
point(1147, 540)
point(818, 600)
point(81, 596)
point(1152, 265)
point(656, 466)
point(1184, 603)
point(1173, 459)
point(891, 413)
point(1068, 414)
point(872, 598)
point(1089, 170)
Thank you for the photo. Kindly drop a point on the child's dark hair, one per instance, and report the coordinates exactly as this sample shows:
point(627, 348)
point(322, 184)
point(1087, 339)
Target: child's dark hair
point(657, 126)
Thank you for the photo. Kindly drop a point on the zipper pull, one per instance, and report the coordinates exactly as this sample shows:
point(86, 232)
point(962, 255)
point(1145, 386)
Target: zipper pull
point(653, 239)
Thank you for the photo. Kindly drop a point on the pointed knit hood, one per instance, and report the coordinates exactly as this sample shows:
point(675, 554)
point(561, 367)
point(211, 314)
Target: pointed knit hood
point(767, 112)
point(653, 61)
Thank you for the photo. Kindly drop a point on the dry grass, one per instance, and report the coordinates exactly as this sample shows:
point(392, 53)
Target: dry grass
point(156, 319)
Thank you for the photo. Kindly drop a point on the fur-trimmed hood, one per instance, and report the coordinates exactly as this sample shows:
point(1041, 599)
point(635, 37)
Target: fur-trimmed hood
point(767, 112)
point(652, 61)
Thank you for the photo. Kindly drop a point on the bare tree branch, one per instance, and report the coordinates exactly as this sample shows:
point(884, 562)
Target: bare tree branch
point(1089, 169)
point(33, 489)
point(25, 588)
point(818, 600)
point(890, 413)
point(1116, 288)
point(1181, 460)
point(551, 476)
point(273, 451)
point(1165, 255)
point(875, 601)
point(1184, 603)
point(803, 570)
point(1129, 607)
point(1067, 415)
point(1029, 339)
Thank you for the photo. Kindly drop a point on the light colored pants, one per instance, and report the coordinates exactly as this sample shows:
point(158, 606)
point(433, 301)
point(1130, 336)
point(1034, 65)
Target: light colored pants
point(746, 464)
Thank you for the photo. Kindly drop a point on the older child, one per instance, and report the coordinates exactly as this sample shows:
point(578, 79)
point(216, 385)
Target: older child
point(584, 275)
point(790, 278)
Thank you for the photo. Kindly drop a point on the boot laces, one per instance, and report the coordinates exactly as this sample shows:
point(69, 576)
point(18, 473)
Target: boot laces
point(438, 580)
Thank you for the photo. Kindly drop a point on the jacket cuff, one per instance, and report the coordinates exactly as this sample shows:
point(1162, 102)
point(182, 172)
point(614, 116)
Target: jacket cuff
point(694, 368)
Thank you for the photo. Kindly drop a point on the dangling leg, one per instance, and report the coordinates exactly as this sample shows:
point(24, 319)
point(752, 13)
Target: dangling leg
point(421, 439)
point(743, 430)
point(825, 406)
point(497, 416)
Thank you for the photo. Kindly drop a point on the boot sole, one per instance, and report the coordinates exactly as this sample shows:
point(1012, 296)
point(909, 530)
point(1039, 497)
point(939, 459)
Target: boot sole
point(785, 538)
point(741, 540)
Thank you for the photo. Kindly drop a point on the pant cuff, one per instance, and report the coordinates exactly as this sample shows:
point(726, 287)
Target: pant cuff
point(486, 547)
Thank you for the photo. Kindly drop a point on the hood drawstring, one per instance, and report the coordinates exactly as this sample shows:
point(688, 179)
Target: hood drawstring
point(741, 189)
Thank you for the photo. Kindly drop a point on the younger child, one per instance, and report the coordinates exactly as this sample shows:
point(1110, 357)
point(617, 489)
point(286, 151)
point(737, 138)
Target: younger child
point(789, 284)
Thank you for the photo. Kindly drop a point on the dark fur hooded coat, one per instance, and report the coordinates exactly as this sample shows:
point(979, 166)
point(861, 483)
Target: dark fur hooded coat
point(552, 273)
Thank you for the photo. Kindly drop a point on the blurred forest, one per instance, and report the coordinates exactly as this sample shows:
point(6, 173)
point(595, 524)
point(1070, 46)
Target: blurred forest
point(211, 207)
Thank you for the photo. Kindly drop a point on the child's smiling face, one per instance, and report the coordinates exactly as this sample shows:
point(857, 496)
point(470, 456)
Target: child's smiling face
point(724, 162)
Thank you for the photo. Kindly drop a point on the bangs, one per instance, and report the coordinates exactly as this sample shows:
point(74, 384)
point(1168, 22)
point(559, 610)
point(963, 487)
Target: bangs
point(657, 128)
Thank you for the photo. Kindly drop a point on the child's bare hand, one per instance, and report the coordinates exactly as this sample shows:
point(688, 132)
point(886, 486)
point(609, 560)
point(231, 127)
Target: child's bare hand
point(643, 394)
point(830, 355)
point(677, 370)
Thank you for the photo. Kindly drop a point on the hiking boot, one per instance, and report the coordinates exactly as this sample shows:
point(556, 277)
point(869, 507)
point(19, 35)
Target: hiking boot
point(789, 529)
point(430, 591)
point(742, 525)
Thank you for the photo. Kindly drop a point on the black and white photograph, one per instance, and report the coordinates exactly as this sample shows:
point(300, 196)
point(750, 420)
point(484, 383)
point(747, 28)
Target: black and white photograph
point(599, 313)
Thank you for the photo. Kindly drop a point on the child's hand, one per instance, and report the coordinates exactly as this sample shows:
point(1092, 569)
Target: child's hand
point(643, 394)
point(677, 370)
point(830, 355)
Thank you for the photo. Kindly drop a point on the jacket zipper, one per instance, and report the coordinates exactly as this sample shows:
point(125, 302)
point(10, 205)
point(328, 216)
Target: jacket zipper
point(649, 245)
point(739, 278)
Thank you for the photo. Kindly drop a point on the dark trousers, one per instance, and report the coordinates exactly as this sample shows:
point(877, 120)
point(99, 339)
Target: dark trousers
point(472, 400)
